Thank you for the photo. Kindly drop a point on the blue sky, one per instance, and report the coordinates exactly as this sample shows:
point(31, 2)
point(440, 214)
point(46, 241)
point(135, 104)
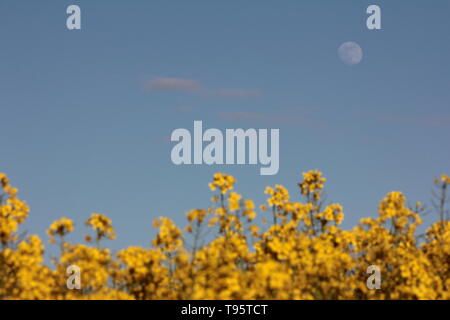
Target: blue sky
point(83, 132)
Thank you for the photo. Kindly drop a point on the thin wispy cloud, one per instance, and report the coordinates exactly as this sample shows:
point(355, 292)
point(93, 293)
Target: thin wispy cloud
point(433, 121)
point(235, 93)
point(184, 109)
point(194, 86)
point(428, 120)
point(242, 116)
point(174, 84)
point(285, 118)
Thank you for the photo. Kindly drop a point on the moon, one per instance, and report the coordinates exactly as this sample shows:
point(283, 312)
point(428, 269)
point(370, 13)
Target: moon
point(350, 53)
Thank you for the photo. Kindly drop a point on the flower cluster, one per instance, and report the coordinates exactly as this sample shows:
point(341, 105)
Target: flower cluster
point(229, 251)
point(102, 226)
point(13, 212)
point(223, 182)
point(60, 228)
point(313, 183)
point(444, 179)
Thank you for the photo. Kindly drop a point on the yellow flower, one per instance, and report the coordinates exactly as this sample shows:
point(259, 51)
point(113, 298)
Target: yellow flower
point(223, 182)
point(60, 227)
point(445, 179)
point(197, 215)
point(13, 211)
point(233, 200)
point(170, 237)
point(303, 254)
point(279, 195)
point(102, 225)
point(312, 184)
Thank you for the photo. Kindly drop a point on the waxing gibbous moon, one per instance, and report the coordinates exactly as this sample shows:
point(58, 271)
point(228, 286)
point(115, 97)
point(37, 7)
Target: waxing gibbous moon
point(350, 53)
